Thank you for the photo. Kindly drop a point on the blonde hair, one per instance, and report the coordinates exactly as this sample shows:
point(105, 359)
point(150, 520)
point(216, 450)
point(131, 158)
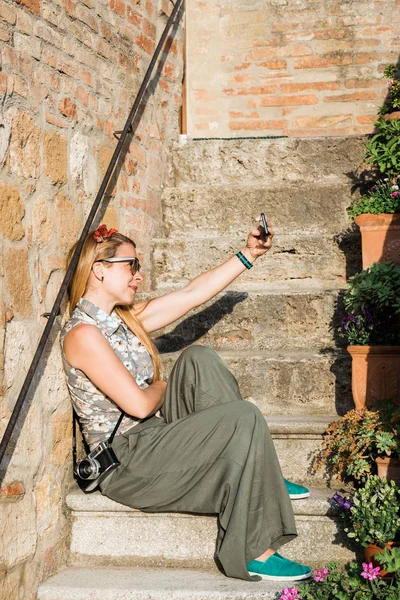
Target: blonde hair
point(107, 249)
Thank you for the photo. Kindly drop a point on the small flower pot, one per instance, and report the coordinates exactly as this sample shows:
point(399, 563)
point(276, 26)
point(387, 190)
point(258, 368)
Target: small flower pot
point(371, 550)
point(380, 238)
point(375, 374)
point(391, 116)
point(389, 467)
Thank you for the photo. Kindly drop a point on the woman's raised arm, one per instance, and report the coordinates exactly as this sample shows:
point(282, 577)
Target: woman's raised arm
point(166, 309)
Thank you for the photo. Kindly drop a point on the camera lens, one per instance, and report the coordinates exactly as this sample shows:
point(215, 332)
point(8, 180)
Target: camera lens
point(88, 468)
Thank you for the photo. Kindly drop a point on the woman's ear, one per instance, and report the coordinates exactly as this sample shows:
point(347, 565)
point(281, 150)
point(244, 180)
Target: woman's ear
point(98, 270)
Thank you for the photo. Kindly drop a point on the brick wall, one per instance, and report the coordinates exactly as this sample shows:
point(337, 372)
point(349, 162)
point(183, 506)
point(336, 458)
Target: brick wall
point(69, 74)
point(285, 67)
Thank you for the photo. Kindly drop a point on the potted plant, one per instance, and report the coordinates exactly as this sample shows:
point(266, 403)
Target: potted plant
point(372, 330)
point(377, 214)
point(373, 520)
point(361, 443)
point(377, 211)
point(354, 582)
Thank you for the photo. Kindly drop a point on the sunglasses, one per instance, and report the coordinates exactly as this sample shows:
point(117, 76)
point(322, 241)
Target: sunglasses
point(133, 262)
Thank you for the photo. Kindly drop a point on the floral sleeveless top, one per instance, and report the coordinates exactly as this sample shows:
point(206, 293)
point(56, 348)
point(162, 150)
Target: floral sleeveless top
point(97, 413)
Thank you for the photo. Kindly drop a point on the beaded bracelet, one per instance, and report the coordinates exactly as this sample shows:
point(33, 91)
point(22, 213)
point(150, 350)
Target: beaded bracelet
point(244, 260)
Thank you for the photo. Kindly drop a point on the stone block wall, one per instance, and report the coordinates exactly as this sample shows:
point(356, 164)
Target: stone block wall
point(288, 67)
point(70, 71)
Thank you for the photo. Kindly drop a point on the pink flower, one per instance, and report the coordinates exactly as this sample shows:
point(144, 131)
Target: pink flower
point(369, 571)
point(290, 594)
point(394, 194)
point(320, 574)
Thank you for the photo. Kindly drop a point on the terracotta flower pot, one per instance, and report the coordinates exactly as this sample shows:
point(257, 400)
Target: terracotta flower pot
point(380, 238)
point(389, 467)
point(375, 374)
point(393, 115)
point(372, 549)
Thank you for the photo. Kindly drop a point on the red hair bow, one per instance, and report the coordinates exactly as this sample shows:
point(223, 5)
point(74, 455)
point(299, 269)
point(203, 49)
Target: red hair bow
point(102, 233)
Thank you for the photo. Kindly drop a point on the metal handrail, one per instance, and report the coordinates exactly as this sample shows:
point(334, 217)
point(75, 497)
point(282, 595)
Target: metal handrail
point(176, 13)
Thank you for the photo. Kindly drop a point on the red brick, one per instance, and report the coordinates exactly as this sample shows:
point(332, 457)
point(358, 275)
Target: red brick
point(4, 33)
point(359, 20)
point(69, 7)
point(273, 64)
point(9, 57)
point(289, 100)
point(288, 88)
point(118, 7)
point(12, 490)
point(169, 71)
point(3, 82)
point(322, 121)
point(354, 97)
point(240, 78)
point(32, 5)
point(317, 62)
point(363, 83)
point(204, 96)
point(145, 44)
point(20, 86)
point(8, 13)
point(240, 115)
point(48, 57)
point(87, 77)
point(244, 65)
point(371, 31)
point(257, 125)
point(256, 91)
point(149, 28)
point(342, 45)
point(57, 121)
point(332, 34)
point(134, 17)
point(367, 119)
point(86, 16)
point(364, 130)
point(82, 95)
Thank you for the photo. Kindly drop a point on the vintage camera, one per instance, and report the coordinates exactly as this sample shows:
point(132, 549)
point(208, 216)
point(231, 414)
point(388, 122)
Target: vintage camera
point(91, 471)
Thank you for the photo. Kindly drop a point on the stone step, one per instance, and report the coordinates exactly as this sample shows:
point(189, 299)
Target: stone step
point(152, 584)
point(258, 317)
point(107, 533)
point(290, 383)
point(230, 209)
point(266, 161)
point(293, 257)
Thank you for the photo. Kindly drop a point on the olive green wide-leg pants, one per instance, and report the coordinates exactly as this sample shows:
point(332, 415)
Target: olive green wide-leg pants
point(211, 452)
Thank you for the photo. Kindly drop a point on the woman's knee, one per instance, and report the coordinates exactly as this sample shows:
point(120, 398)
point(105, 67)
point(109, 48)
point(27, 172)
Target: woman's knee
point(198, 353)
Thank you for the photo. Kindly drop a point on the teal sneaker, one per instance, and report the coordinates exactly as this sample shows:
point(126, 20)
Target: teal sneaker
point(278, 568)
point(296, 491)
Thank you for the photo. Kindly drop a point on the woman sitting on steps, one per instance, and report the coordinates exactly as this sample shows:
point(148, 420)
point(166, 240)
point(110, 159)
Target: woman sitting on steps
point(207, 450)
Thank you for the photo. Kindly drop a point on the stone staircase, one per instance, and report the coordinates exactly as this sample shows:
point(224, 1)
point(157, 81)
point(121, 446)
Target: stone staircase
point(274, 327)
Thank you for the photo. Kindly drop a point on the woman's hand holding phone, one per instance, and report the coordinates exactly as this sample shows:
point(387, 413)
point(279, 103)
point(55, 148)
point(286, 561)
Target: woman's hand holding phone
point(259, 240)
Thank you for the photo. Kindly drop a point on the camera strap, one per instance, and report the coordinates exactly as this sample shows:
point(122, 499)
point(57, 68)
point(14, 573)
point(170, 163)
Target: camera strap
point(75, 421)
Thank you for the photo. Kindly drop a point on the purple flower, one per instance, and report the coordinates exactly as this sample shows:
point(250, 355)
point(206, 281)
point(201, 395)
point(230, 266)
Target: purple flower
point(320, 574)
point(290, 594)
point(343, 503)
point(369, 571)
point(373, 188)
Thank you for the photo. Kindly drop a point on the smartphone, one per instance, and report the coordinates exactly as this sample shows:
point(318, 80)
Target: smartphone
point(264, 223)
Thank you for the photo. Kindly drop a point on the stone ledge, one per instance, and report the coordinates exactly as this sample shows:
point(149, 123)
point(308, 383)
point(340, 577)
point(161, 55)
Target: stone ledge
point(152, 584)
point(79, 502)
